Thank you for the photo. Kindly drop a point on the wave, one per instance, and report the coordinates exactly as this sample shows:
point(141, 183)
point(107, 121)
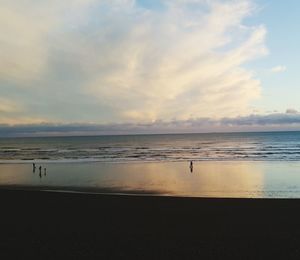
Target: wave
point(144, 160)
point(252, 147)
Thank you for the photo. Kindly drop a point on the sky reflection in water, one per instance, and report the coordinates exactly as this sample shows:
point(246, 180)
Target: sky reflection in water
point(208, 179)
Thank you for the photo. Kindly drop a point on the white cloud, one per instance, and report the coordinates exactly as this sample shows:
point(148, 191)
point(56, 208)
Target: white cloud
point(278, 69)
point(27, 28)
point(114, 61)
point(171, 65)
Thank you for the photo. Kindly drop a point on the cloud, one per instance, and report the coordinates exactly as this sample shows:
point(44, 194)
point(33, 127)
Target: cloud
point(291, 111)
point(26, 29)
point(10, 113)
point(117, 61)
point(278, 69)
point(269, 122)
point(263, 120)
point(8, 106)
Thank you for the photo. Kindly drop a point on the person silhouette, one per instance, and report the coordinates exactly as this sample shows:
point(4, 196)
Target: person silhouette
point(33, 167)
point(40, 169)
point(191, 166)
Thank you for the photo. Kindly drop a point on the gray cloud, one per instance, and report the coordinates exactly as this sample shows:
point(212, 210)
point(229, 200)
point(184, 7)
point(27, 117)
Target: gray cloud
point(276, 121)
point(292, 111)
point(261, 120)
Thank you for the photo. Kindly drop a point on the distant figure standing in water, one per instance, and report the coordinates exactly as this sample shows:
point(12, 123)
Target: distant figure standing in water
point(191, 166)
point(33, 167)
point(40, 169)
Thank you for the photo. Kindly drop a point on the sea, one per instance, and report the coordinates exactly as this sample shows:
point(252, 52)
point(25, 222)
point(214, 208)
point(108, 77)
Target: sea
point(244, 165)
point(255, 146)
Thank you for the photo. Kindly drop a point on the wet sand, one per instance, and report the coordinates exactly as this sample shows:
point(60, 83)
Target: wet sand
point(48, 225)
point(208, 179)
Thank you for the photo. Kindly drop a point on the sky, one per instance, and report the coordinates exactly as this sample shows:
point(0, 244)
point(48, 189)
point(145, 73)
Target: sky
point(148, 66)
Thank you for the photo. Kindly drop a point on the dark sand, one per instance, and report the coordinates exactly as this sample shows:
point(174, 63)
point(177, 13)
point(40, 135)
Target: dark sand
point(49, 225)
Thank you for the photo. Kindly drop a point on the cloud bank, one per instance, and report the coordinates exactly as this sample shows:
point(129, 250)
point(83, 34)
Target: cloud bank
point(118, 61)
point(276, 121)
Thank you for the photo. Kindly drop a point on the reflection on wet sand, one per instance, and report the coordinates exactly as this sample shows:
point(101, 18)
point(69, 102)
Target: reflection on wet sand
point(213, 179)
point(207, 179)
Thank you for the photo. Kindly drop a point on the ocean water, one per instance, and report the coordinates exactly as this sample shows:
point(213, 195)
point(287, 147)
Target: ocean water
point(249, 165)
point(262, 146)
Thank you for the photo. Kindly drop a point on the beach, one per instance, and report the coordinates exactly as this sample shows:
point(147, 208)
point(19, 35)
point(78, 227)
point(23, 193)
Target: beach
point(215, 179)
point(136, 197)
point(50, 225)
point(149, 129)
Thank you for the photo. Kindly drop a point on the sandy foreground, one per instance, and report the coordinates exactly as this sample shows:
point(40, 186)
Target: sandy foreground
point(52, 225)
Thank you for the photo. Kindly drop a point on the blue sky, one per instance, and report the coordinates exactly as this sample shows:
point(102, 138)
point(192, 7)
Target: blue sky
point(178, 65)
point(279, 90)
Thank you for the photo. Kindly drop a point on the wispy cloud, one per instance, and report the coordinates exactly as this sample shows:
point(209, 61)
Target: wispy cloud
point(117, 61)
point(279, 69)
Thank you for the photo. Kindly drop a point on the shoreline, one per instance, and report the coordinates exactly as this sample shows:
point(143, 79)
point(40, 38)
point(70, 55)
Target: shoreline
point(83, 190)
point(51, 224)
point(109, 192)
point(183, 161)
